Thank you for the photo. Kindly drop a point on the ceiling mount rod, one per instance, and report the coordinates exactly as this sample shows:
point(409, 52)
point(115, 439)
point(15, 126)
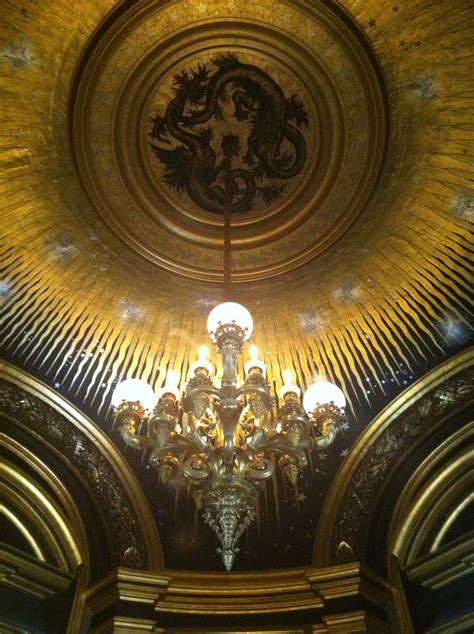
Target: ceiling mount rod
point(227, 166)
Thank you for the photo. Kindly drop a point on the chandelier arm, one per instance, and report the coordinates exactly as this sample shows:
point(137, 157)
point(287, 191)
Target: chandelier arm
point(261, 474)
point(177, 445)
point(257, 466)
point(197, 398)
point(157, 453)
point(257, 439)
point(201, 442)
point(196, 474)
point(208, 389)
point(324, 441)
point(252, 388)
point(130, 439)
point(285, 447)
point(260, 401)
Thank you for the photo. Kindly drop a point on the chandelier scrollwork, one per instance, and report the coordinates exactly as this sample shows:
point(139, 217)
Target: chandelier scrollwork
point(232, 441)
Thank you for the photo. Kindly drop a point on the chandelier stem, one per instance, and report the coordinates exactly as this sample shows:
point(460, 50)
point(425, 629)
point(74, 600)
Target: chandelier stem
point(229, 365)
point(230, 407)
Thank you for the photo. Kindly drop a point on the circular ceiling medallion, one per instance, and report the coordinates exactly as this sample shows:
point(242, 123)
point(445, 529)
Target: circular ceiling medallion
point(274, 110)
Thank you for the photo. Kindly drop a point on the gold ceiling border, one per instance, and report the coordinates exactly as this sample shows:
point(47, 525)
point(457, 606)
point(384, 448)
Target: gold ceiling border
point(51, 482)
point(39, 504)
point(345, 519)
point(30, 576)
point(347, 597)
point(135, 540)
point(429, 501)
point(51, 532)
point(432, 498)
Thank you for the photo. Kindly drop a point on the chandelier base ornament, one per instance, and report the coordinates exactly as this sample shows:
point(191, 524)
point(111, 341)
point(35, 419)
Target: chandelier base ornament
point(229, 504)
point(221, 437)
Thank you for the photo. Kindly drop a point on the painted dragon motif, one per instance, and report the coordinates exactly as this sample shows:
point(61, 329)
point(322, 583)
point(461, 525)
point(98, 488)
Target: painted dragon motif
point(276, 147)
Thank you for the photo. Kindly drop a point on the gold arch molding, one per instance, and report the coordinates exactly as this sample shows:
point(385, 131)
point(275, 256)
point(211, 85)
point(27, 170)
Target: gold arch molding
point(52, 529)
point(436, 494)
point(39, 411)
point(321, 166)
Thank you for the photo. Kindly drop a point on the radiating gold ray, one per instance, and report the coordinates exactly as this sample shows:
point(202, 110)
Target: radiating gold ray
point(28, 320)
point(109, 339)
point(72, 354)
point(349, 359)
point(378, 341)
point(366, 350)
point(99, 359)
point(45, 326)
point(333, 371)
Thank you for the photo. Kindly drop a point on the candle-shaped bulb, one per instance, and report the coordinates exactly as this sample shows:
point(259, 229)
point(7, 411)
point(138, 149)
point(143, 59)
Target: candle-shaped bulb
point(254, 361)
point(202, 365)
point(172, 378)
point(288, 386)
point(171, 384)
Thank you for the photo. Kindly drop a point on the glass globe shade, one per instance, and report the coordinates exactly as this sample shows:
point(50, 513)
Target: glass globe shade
point(321, 393)
point(134, 390)
point(228, 312)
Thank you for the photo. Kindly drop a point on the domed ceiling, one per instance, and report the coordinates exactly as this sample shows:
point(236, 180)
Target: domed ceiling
point(341, 137)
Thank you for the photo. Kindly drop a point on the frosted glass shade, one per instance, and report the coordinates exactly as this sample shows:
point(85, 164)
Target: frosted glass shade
point(134, 390)
point(227, 313)
point(321, 393)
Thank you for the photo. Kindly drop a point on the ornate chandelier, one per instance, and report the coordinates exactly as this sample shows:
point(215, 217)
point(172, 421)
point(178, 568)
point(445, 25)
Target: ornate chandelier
point(225, 437)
